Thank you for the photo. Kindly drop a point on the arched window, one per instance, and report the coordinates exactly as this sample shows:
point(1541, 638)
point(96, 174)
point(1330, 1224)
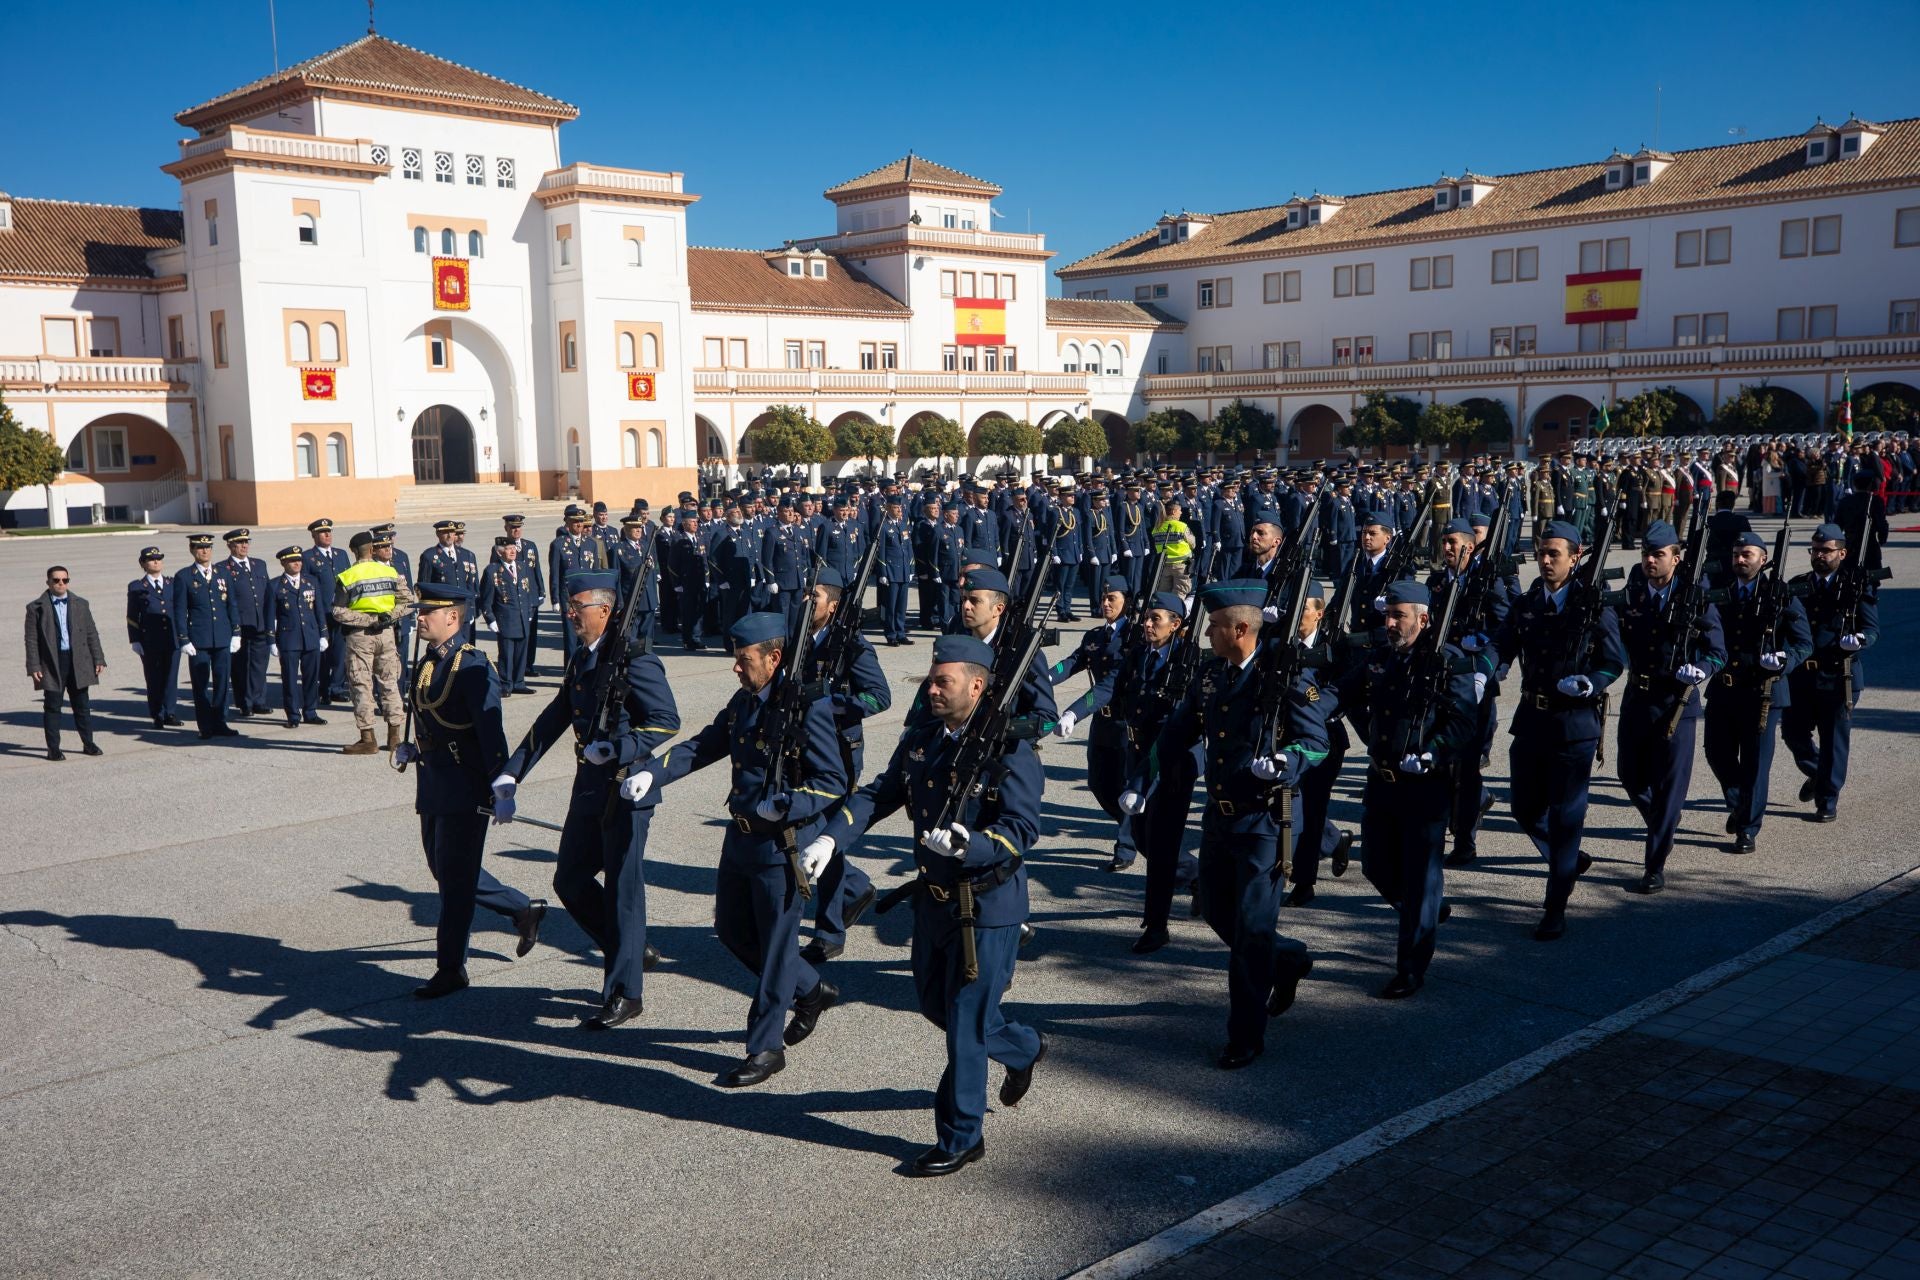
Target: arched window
point(653, 449)
point(1114, 358)
point(649, 351)
point(336, 454)
point(419, 239)
point(299, 342)
point(633, 253)
point(626, 354)
point(329, 340)
point(77, 453)
point(630, 448)
point(475, 245)
point(446, 240)
point(1070, 358)
point(306, 457)
point(307, 228)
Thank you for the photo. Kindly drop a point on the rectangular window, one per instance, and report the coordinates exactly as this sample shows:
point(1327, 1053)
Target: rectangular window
point(1343, 282)
point(103, 337)
point(1902, 316)
point(1420, 274)
point(1500, 342)
point(949, 358)
point(1443, 271)
point(1686, 249)
point(109, 448)
point(1589, 337)
point(1270, 356)
point(1617, 254)
point(1525, 339)
point(1223, 359)
point(1793, 238)
point(176, 338)
point(1343, 351)
point(437, 351)
point(989, 285)
point(219, 319)
point(869, 356)
point(1822, 322)
point(1362, 279)
point(1906, 228)
point(966, 222)
point(1790, 324)
point(1593, 256)
point(1503, 266)
point(793, 266)
point(1713, 327)
point(1363, 350)
point(1206, 294)
point(569, 348)
point(1290, 355)
point(1719, 246)
point(816, 355)
point(1270, 287)
point(1290, 286)
point(1143, 293)
point(1418, 346)
point(410, 163)
point(1160, 363)
point(443, 166)
point(503, 172)
point(1443, 344)
point(736, 353)
point(1223, 292)
point(713, 352)
point(796, 355)
point(967, 285)
point(1616, 335)
point(889, 356)
point(1826, 234)
point(60, 336)
point(990, 360)
point(476, 171)
point(969, 359)
point(947, 284)
point(1008, 289)
point(1686, 331)
point(1204, 358)
point(950, 220)
point(1526, 263)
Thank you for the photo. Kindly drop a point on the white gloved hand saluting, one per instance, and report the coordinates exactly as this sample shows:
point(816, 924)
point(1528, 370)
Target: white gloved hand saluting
point(815, 857)
point(1690, 674)
point(1576, 686)
point(635, 788)
point(1776, 661)
point(772, 809)
point(948, 842)
point(1064, 729)
point(1853, 643)
point(503, 788)
point(599, 753)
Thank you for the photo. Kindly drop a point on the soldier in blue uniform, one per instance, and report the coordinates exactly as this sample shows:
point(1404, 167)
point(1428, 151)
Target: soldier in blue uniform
point(842, 893)
point(950, 551)
point(1338, 522)
point(1656, 751)
point(1099, 654)
point(1460, 552)
point(735, 555)
point(1019, 537)
point(986, 849)
point(1099, 551)
point(1403, 828)
point(1141, 704)
point(1319, 837)
point(611, 807)
point(207, 629)
point(1133, 533)
point(757, 899)
point(575, 551)
point(508, 599)
point(637, 536)
point(514, 526)
point(1229, 532)
point(1366, 613)
point(150, 634)
point(458, 745)
point(786, 553)
point(926, 573)
point(1239, 834)
point(692, 579)
point(844, 541)
point(1064, 562)
point(1560, 712)
point(1818, 727)
point(325, 562)
point(247, 582)
point(894, 571)
point(603, 527)
point(296, 624)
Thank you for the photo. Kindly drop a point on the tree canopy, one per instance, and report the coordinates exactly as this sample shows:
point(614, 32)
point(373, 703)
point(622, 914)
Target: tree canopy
point(1383, 419)
point(789, 437)
point(861, 438)
point(1158, 433)
point(1077, 438)
point(1241, 426)
point(1005, 438)
point(27, 457)
point(935, 438)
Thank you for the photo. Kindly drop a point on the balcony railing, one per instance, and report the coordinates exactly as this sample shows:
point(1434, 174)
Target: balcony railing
point(928, 238)
point(883, 382)
point(594, 175)
point(292, 146)
point(112, 373)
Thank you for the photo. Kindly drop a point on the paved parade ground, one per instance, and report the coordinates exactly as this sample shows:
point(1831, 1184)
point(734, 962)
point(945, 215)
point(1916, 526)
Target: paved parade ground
point(213, 1066)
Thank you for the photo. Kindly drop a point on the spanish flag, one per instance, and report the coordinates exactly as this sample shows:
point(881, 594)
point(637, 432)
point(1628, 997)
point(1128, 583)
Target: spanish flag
point(1594, 296)
point(450, 285)
point(980, 322)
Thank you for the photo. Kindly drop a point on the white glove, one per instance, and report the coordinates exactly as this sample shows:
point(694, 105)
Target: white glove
point(771, 809)
point(324, 643)
point(275, 650)
point(1064, 729)
point(1576, 686)
point(948, 842)
point(233, 645)
point(635, 788)
point(1132, 802)
point(885, 583)
point(599, 753)
point(773, 588)
point(1128, 553)
point(139, 651)
point(1773, 661)
point(1417, 764)
point(1266, 768)
point(1479, 686)
point(1853, 643)
point(406, 753)
point(1270, 613)
point(815, 857)
point(189, 650)
point(1056, 559)
point(1690, 674)
point(1380, 604)
point(503, 788)
point(483, 624)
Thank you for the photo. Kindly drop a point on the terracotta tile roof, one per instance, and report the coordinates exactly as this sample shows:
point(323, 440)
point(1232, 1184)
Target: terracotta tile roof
point(1102, 311)
point(914, 169)
point(1767, 167)
point(377, 65)
point(62, 238)
point(749, 280)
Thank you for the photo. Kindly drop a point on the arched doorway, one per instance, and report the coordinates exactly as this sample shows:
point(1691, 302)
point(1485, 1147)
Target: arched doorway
point(1313, 431)
point(442, 447)
point(1560, 421)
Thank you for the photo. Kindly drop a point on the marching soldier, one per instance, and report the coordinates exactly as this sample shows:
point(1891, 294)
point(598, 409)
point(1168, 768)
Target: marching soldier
point(1143, 701)
point(574, 551)
point(367, 598)
point(206, 626)
point(295, 622)
point(247, 582)
point(324, 562)
point(1461, 547)
point(150, 635)
point(1319, 837)
point(1099, 654)
point(509, 597)
point(1818, 725)
point(895, 570)
point(982, 857)
point(613, 799)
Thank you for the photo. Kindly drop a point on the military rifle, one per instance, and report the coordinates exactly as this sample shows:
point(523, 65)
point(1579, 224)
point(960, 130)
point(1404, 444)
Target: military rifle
point(838, 646)
point(1398, 563)
point(787, 712)
point(1336, 620)
point(1482, 576)
point(1431, 670)
point(1184, 659)
point(1856, 584)
point(618, 648)
point(1686, 613)
point(1774, 597)
point(413, 673)
point(1280, 659)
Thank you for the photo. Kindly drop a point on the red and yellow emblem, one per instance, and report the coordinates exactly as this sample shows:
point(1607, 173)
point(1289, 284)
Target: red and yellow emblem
point(1594, 296)
point(640, 386)
point(317, 384)
point(452, 290)
point(980, 322)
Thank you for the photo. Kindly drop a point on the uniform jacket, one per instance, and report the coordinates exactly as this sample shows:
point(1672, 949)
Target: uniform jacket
point(456, 726)
point(150, 612)
point(1221, 714)
point(567, 555)
point(1651, 689)
point(1545, 641)
point(203, 610)
point(1743, 621)
point(295, 615)
point(898, 551)
point(508, 598)
point(784, 553)
point(324, 564)
point(1819, 675)
point(247, 582)
point(646, 719)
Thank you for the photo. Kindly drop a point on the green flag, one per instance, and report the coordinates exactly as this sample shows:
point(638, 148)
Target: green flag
point(1601, 430)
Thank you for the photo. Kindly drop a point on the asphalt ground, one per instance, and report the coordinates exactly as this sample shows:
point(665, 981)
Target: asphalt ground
point(212, 1064)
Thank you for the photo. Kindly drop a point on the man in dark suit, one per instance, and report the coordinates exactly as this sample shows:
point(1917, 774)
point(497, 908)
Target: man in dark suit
point(150, 634)
point(247, 585)
point(64, 659)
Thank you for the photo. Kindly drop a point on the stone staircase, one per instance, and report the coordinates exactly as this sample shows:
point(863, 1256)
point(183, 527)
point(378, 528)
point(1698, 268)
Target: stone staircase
point(474, 503)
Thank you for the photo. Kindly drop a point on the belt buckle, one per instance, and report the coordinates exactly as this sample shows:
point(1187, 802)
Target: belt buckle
point(745, 825)
point(937, 893)
point(1385, 773)
point(1811, 664)
point(1726, 679)
point(1226, 808)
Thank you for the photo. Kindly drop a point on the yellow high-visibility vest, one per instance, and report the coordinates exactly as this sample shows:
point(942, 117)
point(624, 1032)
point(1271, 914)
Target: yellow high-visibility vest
point(370, 586)
point(1173, 534)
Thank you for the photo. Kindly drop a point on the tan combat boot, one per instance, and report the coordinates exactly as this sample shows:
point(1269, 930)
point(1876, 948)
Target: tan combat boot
point(393, 736)
point(365, 747)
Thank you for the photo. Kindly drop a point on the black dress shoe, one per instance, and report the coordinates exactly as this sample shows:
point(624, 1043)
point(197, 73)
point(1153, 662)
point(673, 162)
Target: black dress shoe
point(92, 749)
point(807, 1010)
point(443, 983)
point(312, 720)
point(290, 723)
point(1284, 990)
point(1486, 794)
point(1806, 791)
point(1462, 857)
point(1446, 912)
point(55, 753)
point(935, 1163)
point(173, 722)
point(754, 1070)
point(1119, 864)
point(616, 1010)
point(1342, 854)
point(1027, 935)
point(858, 907)
point(523, 688)
point(1151, 940)
point(205, 736)
point(1584, 865)
point(1399, 987)
point(227, 732)
point(1234, 1056)
point(649, 959)
point(818, 952)
point(1742, 844)
point(1825, 815)
point(1015, 1086)
point(1552, 927)
point(1733, 823)
point(1193, 901)
point(1650, 883)
point(1301, 895)
point(528, 924)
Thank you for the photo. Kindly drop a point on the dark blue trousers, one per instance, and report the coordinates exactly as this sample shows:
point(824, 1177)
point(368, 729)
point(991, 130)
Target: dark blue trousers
point(208, 673)
point(1818, 730)
point(893, 610)
point(403, 641)
point(1470, 788)
point(969, 1012)
point(1739, 750)
point(1655, 770)
point(160, 663)
point(528, 654)
point(756, 913)
point(1064, 576)
point(793, 605)
point(1160, 832)
point(833, 895)
point(248, 669)
point(453, 842)
point(300, 683)
point(1241, 902)
point(949, 604)
point(1403, 836)
point(333, 663)
point(1093, 580)
point(512, 653)
point(1549, 798)
point(1107, 773)
point(933, 604)
point(602, 842)
point(1318, 835)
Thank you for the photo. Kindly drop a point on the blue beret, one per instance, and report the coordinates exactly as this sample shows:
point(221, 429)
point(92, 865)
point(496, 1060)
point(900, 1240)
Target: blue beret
point(1118, 582)
point(830, 577)
point(963, 648)
point(987, 578)
point(1750, 539)
point(1266, 515)
point(970, 556)
point(1313, 590)
point(1234, 591)
point(1172, 601)
point(757, 628)
point(1407, 591)
point(1459, 524)
point(1376, 520)
point(441, 595)
point(1568, 533)
point(1659, 534)
point(594, 580)
point(1478, 521)
point(1829, 532)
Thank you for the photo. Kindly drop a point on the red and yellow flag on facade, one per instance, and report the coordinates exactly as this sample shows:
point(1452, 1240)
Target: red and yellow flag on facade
point(640, 386)
point(451, 291)
point(980, 322)
point(1594, 296)
point(317, 384)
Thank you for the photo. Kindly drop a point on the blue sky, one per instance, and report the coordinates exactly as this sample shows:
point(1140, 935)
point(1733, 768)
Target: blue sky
point(1095, 116)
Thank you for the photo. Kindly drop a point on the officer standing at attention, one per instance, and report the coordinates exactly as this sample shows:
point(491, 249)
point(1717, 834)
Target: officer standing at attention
point(367, 599)
point(603, 527)
point(325, 562)
point(786, 553)
point(207, 629)
point(1826, 686)
point(757, 898)
point(1560, 713)
point(692, 580)
point(985, 851)
point(150, 634)
point(247, 585)
point(734, 553)
point(296, 623)
point(1099, 654)
point(1064, 563)
point(515, 526)
point(895, 570)
point(1767, 639)
point(574, 551)
point(1239, 834)
point(1655, 751)
point(508, 598)
point(1099, 557)
point(611, 808)
point(926, 532)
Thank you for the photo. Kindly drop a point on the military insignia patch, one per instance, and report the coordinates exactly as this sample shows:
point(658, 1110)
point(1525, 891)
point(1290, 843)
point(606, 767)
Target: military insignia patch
point(1313, 693)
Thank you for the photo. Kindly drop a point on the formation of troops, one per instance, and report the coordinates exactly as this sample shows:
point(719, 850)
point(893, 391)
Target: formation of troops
point(1257, 636)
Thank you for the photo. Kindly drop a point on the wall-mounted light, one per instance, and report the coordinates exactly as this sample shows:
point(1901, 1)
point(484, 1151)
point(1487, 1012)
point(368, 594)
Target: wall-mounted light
point(399, 415)
point(483, 413)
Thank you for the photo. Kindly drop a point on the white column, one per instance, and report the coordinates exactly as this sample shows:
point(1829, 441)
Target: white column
point(56, 510)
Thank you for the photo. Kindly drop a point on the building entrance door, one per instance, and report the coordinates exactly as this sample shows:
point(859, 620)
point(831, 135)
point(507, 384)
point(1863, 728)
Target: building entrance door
point(442, 447)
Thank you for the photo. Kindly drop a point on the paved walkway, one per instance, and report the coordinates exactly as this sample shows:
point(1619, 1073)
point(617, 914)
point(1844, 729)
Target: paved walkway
point(1770, 1127)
